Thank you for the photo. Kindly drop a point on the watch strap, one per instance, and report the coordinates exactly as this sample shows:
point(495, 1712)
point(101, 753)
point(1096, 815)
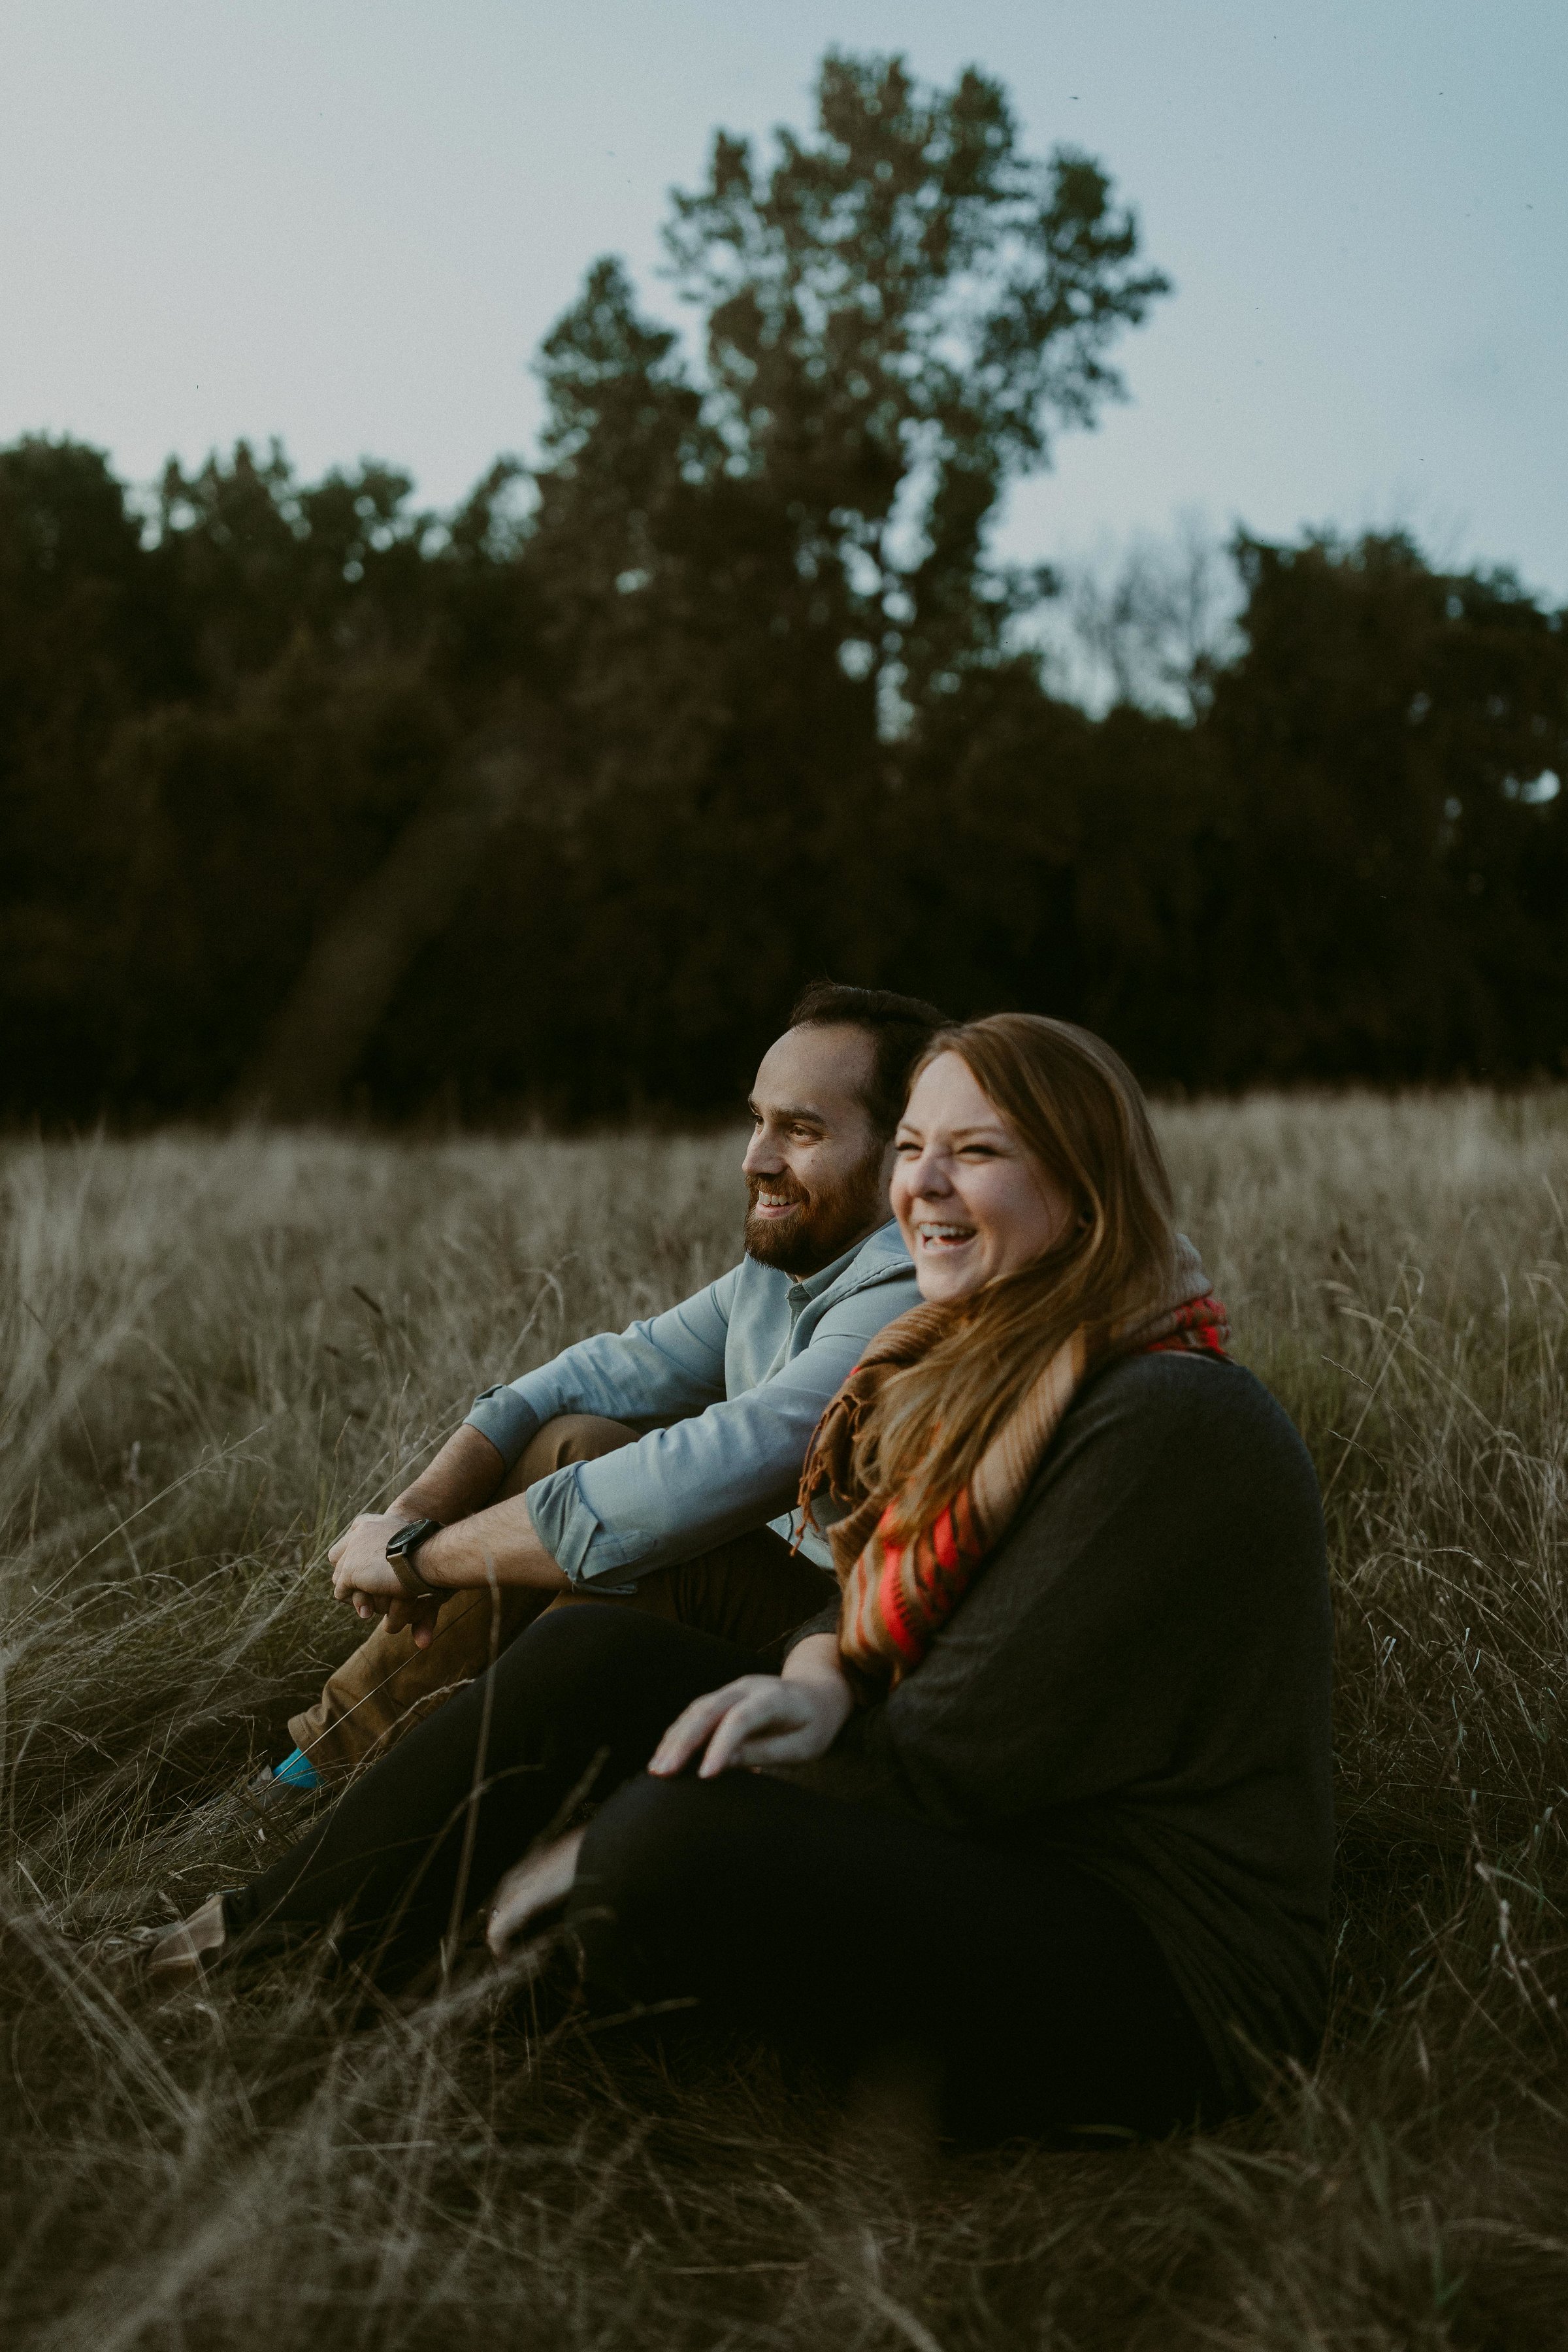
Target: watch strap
point(400, 1548)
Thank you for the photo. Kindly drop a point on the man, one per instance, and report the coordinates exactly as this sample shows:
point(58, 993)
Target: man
point(547, 1494)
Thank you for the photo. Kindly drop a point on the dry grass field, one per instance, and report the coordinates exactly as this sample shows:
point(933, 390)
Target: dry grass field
point(215, 1350)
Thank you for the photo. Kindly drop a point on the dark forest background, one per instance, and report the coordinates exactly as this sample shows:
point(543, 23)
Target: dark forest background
point(315, 801)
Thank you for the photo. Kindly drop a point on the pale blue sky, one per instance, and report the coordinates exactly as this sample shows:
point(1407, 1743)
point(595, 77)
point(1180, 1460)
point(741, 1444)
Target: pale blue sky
point(349, 224)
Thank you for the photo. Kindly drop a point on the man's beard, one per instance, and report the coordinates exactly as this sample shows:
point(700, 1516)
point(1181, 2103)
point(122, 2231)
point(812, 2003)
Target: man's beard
point(821, 1225)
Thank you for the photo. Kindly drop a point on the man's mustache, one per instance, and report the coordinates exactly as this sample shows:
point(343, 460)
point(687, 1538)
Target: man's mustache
point(783, 1188)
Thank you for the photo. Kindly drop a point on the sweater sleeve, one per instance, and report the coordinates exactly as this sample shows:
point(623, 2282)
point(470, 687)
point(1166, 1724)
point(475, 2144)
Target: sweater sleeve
point(825, 1621)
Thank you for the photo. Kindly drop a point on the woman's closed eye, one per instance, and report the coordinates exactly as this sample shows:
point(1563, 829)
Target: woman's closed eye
point(907, 1148)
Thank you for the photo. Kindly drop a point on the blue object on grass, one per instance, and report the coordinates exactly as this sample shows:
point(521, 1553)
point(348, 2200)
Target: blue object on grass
point(297, 1771)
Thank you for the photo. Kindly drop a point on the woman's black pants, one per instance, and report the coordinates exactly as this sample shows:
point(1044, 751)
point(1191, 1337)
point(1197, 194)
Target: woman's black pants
point(1037, 1995)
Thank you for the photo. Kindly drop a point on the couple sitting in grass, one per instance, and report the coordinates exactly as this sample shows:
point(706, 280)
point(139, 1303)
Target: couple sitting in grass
point(947, 1671)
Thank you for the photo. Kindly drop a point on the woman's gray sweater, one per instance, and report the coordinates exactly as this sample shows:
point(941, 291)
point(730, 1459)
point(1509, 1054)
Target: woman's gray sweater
point(1139, 1682)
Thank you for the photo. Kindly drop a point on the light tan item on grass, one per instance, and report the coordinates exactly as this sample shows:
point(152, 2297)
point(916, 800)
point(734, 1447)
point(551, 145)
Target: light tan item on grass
point(187, 1951)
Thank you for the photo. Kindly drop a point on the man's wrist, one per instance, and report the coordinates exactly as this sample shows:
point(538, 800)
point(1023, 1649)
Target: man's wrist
point(406, 1551)
point(429, 1558)
point(475, 1550)
point(414, 1505)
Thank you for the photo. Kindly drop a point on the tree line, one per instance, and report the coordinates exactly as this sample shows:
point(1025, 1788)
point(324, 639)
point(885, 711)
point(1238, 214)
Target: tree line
point(314, 800)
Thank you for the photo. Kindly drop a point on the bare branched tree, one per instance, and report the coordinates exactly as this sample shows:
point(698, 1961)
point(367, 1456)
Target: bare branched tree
point(1152, 624)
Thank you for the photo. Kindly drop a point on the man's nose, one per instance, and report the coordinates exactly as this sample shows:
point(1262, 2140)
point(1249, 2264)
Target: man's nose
point(763, 1157)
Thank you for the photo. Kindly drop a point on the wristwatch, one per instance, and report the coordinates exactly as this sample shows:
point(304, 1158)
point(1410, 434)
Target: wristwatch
point(401, 1547)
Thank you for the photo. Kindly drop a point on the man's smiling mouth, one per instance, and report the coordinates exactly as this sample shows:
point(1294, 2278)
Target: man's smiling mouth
point(774, 1205)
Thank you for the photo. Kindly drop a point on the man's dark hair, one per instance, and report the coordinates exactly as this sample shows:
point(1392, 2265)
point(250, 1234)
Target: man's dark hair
point(900, 1028)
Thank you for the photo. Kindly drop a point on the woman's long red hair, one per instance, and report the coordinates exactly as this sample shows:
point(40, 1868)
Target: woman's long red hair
point(1080, 1116)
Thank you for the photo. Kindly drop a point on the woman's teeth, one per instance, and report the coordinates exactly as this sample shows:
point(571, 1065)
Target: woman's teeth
point(945, 1236)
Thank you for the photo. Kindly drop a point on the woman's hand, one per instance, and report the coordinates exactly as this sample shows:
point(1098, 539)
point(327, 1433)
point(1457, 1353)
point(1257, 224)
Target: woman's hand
point(531, 1886)
point(785, 1718)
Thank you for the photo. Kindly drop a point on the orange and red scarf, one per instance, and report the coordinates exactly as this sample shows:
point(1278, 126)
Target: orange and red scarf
point(897, 1594)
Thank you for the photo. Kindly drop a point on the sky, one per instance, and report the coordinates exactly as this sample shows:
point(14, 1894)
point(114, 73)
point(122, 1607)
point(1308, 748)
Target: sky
point(350, 224)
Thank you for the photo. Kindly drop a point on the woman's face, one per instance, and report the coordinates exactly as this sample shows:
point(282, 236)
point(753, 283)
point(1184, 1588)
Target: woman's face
point(971, 1202)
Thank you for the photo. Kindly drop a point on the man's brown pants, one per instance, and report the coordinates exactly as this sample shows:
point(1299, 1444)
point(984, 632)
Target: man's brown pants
point(750, 1590)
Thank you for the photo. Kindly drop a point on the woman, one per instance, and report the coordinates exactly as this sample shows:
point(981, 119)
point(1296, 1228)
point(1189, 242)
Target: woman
point(1047, 1798)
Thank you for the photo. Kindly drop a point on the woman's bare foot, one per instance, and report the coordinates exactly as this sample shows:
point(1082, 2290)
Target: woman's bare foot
point(542, 1880)
point(183, 1956)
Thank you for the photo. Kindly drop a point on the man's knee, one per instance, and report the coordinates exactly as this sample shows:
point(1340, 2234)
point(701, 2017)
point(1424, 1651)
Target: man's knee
point(569, 1437)
point(571, 1653)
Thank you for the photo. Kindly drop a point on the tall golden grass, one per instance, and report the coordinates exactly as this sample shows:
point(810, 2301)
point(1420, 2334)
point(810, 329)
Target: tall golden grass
point(215, 1350)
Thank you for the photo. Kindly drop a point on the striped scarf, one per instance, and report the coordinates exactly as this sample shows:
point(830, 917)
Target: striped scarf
point(897, 1595)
